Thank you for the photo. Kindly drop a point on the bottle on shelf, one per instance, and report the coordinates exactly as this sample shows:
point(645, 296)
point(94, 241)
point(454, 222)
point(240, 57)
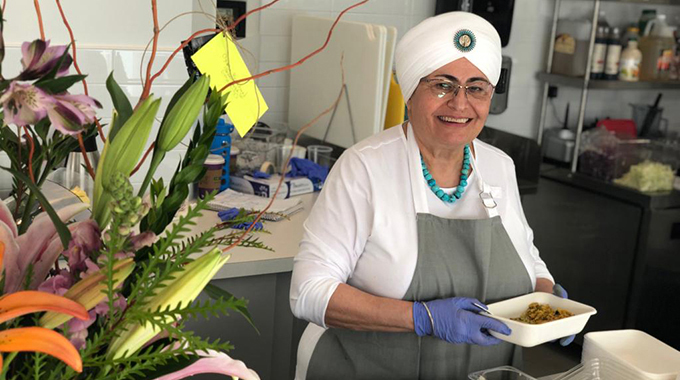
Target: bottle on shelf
point(657, 46)
point(599, 53)
point(645, 17)
point(675, 65)
point(611, 67)
point(632, 33)
point(629, 67)
point(602, 20)
point(570, 56)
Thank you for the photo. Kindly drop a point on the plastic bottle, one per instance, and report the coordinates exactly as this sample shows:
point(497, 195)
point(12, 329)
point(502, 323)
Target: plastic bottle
point(629, 67)
point(675, 64)
point(221, 146)
point(570, 56)
point(632, 33)
point(611, 67)
point(599, 53)
point(647, 15)
point(602, 20)
point(657, 46)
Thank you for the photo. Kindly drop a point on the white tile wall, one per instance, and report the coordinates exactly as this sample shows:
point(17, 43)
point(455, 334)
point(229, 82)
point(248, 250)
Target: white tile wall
point(276, 23)
point(122, 29)
point(103, 51)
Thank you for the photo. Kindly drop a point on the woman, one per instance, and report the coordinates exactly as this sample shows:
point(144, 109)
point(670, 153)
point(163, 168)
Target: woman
point(417, 223)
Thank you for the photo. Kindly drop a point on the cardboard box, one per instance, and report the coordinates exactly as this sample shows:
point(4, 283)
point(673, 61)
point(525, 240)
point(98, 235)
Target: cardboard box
point(266, 187)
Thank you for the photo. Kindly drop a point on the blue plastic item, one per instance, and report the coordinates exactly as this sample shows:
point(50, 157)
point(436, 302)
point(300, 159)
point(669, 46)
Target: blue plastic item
point(229, 214)
point(222, 145)
point(309, 169)
point(559, 291)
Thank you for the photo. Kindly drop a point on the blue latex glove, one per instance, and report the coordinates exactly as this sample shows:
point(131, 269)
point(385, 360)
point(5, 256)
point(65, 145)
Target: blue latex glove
point(229, 214)
point(456, 321)
point(261, 175)
point(307, 168)
point(559, 291)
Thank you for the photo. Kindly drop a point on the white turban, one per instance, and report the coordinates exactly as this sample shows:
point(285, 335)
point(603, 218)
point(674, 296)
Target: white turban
point(442, 39)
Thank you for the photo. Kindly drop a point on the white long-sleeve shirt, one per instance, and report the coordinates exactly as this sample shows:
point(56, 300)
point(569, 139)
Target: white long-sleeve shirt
point(362, 230)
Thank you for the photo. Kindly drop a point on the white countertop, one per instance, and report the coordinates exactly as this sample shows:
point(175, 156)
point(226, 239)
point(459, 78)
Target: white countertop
point(284, 240)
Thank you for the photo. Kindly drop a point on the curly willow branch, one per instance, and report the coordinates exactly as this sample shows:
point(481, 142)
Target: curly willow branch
point(303, 59)
point(75, 62)
point(147, 85)
point(36, 3)
point(290, 155)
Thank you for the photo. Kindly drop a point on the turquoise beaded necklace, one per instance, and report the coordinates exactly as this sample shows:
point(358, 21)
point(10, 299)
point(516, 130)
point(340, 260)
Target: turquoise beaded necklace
point(449, 198)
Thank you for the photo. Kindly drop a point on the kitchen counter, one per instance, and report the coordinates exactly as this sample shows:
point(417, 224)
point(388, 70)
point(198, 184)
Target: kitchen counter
point(660, 200)
point(284, 238)
point(262, 277)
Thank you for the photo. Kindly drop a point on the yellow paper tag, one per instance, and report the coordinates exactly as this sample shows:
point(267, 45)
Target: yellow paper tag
point(221, 60)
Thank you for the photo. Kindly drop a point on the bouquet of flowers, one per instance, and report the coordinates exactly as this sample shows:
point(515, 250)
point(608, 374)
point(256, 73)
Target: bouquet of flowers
point(117, 286)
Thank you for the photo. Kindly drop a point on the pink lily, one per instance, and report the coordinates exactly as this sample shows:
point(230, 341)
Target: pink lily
point(214, 362)
point(39, 58)
point(70, 113)
point(25, 104)
point(23, 250)
point(84, 240)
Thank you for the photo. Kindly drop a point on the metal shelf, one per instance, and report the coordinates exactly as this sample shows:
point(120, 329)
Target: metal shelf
point(585, 84)
point(578, 82)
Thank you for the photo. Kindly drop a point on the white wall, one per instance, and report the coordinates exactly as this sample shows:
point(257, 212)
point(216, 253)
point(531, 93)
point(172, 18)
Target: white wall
point(111, 35)
point(275, 31)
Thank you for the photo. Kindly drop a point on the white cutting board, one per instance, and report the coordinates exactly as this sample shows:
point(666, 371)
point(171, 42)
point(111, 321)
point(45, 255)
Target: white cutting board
point(315, 84)
point(390, 46)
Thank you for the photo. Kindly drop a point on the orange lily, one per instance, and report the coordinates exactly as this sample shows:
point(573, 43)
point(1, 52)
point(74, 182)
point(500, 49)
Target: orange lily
point(38, 339)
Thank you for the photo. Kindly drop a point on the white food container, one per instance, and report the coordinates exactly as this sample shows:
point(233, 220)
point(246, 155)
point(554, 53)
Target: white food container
point(527, 335)
point(643, 356)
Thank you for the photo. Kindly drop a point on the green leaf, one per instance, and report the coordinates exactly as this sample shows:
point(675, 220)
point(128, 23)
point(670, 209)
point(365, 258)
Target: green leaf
point(240, 305)
point(190, 174)
point(62, 230)
point(158, 192)
point(120, 103)
point(42, 128)
point(59, 85)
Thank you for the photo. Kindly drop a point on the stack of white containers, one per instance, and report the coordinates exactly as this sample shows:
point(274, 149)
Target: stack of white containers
point(631, 354)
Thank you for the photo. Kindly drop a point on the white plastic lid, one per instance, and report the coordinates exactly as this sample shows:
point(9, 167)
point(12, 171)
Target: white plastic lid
point(214, 159)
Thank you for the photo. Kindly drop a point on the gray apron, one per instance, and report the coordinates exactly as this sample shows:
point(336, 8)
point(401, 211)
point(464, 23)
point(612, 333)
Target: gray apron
point(456, 258)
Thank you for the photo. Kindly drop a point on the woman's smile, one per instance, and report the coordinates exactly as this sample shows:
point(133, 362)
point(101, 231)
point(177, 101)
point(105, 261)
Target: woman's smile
point(455, 121)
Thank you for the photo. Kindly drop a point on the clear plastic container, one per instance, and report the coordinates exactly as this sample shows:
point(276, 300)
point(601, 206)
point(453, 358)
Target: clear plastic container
point(606, 156)
point(656, 172)
point(259, 145)
point(570, 55)
point(500, 373)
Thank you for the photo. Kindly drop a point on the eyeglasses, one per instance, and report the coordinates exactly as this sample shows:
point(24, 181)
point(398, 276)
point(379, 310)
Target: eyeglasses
point(478, 90)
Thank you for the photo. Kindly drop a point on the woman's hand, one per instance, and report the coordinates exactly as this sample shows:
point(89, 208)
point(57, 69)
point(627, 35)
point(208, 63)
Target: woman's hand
point(456, 320)
point(544, 285)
